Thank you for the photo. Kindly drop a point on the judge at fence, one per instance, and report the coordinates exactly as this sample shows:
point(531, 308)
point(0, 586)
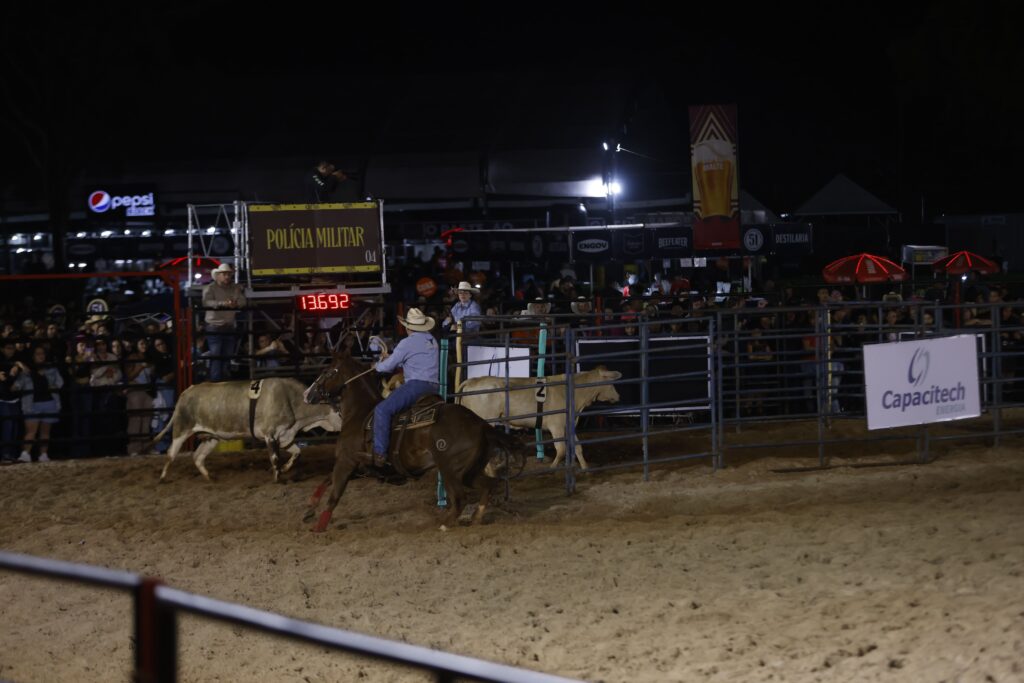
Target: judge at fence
point(464, 307)
point(417, 356)
point(221, 299)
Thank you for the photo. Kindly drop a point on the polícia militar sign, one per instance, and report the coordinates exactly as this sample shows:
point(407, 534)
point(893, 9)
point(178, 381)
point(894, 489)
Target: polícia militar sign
point(287, 239)
point(921, 381)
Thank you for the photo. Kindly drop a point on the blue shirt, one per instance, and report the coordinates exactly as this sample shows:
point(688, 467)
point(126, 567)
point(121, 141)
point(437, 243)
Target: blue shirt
point(417, 355)
point(461, 310)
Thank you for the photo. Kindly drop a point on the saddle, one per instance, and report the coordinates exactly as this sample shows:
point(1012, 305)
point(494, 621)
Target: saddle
point(422, 414)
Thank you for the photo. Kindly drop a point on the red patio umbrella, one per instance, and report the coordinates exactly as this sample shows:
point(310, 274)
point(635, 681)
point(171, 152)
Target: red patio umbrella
point(963, 262)
point(863, 269)
point(181, 263)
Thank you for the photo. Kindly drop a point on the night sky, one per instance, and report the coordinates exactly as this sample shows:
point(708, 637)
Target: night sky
point(919, 100)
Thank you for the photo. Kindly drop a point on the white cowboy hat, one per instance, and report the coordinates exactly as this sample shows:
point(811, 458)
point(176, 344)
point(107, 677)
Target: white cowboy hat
point(580, 302)
point(417, 322)
point(466, 287)
point(223, 268)
point(537, 307)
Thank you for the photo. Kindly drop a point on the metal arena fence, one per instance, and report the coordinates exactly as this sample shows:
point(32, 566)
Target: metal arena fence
point(721, 383)
point(156, 609)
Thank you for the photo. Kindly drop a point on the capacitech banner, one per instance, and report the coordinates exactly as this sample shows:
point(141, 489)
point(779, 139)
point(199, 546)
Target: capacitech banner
point(917, 382)
point(716, 186)
point(286, 239)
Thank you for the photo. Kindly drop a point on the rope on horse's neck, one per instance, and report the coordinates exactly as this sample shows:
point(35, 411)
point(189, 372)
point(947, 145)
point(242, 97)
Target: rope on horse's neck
point(355, 377)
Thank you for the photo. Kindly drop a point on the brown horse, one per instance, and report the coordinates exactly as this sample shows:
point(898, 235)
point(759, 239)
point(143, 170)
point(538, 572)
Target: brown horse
point(468, 452)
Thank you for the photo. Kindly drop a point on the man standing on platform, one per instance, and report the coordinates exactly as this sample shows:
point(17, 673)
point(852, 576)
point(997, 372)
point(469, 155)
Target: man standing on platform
point(222, 298)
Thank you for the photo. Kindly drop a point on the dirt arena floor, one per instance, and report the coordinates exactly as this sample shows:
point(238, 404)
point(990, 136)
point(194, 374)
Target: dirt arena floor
point(906, 573)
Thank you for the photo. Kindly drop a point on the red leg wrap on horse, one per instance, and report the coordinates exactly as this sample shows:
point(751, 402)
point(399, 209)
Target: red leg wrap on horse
point(325, 518)
point(318, 494)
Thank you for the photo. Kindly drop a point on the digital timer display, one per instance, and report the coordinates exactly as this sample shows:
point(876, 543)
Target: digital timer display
point(323, 301)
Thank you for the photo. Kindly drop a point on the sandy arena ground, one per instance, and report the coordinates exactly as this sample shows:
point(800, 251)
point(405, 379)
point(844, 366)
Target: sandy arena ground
point(910, 573)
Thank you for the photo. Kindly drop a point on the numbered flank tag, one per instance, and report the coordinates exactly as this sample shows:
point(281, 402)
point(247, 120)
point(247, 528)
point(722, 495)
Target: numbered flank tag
point(542, 391)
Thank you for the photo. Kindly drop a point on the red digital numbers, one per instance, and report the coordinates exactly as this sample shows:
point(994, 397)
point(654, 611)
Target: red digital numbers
point(323, 301)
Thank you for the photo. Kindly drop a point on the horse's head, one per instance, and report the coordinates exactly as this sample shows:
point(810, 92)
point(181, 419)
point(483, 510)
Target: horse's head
point(331, 383)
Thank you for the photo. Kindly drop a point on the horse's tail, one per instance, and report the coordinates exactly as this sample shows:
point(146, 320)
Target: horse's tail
point(506, 454)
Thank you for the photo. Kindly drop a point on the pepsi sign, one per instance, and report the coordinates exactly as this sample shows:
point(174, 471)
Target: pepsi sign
point(121, 201)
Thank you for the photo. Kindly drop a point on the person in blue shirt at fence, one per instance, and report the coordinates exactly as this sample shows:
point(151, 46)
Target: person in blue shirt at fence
point(465, 307)
point(418, 356)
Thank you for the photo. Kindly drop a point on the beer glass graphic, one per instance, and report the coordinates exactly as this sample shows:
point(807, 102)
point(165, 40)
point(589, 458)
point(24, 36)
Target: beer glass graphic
point(714, 166)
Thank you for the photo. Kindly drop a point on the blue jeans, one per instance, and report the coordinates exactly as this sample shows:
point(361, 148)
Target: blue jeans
point(400, 399)
point(222, 343)
point(10, 419)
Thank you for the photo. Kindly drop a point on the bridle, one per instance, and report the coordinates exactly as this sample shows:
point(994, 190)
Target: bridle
point(317, 392)
point(317, 389)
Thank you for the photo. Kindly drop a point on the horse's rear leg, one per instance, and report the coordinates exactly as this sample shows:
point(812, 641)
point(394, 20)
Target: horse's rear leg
point(487, 485)
point(455, 491)
point(343, 468)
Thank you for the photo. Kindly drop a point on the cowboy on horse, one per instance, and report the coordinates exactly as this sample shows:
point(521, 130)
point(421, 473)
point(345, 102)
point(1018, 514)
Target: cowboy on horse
point(417, 355)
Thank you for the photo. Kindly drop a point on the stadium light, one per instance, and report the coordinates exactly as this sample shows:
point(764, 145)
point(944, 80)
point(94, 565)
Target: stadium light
point(605, 145)
point(106, 233)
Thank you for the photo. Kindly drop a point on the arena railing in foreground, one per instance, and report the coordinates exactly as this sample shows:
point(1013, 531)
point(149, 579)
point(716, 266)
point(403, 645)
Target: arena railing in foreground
point(156, 630)
point(716, 380)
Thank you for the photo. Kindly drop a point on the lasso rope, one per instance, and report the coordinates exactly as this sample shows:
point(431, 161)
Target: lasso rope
point(382, 345)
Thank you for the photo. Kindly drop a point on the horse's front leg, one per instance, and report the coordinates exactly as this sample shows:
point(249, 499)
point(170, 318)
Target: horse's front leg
point(314, 500)
point(344, 466)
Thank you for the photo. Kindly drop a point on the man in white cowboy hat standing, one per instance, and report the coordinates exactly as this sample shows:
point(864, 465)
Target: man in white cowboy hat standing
point(221, 299)
point(465, 307)
point(417, 355)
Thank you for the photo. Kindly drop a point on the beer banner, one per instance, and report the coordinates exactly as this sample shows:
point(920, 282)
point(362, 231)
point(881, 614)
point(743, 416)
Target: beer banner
point(674, 242)
point(756, 239)
point(556, 244)
point(631, 245)
point(792, 237)
point(286, 239)
point(592, 246)
point(716, 188)
point(518, 246)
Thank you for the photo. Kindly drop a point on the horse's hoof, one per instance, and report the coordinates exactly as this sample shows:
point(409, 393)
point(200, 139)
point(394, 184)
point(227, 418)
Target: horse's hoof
point(308, 517)
point(444, 527)
point(321, 525)
point(466, 518)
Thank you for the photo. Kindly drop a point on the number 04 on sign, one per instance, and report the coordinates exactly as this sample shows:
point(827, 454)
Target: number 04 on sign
point(921, 381)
